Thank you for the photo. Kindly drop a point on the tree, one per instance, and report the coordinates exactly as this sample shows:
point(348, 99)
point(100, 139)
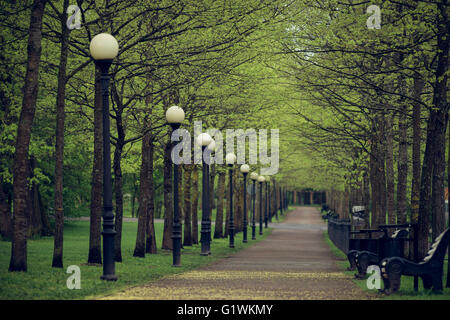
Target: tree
point(59, 145)
point(18, 260)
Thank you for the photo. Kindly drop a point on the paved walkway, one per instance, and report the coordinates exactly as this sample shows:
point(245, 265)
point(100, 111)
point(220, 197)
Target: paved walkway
point(293, 262)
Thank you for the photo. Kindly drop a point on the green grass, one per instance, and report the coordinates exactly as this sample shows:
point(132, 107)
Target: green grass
point(41, 281)
point(406, 291)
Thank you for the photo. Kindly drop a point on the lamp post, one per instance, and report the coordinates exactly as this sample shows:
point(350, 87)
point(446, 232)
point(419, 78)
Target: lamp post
point(230, 159)
point(254, 177)
point(175, 116)
point(281, 201)
point(104, 48)
point(260, 180)
point(204, 140)
point(266, 202)
point(245, 169)
point(269, 211)
point(274, 200)
point(210, 148)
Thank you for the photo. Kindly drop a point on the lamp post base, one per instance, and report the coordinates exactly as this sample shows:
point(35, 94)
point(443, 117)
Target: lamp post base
point(109, 277)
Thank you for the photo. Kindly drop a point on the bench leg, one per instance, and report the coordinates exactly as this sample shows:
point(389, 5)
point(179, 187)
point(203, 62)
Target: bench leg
point(392, 277)
point(351, 259)
point(437, 282)
point(362, 265)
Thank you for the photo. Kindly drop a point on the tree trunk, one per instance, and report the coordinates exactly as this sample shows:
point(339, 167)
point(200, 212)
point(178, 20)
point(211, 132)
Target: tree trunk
point(59, 146)
point(168, 207)
point(134, 195)
point(150, 243)
point(212, 174)
point(139, 250)
point(18, 260)
point(448, 214)
point(415, 183)
point(34, 207)
point(433, 168)
point(95, 254)
point(227, 208)
point(194, 207)
point(237, 196)
point(5, 215)
point(437, 192)
point(118, 191)
point(402, 163)
point(218, 230)
point(187, 206)
point(390, 184)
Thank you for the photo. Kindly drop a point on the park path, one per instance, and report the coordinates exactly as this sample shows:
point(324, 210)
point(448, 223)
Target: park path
point(293, 262)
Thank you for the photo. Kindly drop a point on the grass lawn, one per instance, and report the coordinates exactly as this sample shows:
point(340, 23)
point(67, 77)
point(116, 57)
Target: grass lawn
point(41, 281)
point(406, 291)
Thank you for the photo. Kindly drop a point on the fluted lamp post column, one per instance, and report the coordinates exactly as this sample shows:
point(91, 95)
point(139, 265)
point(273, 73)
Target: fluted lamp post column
point(261, 179)
point(269, 212)
point(230, 159)
point(210, 149)
point(253, 177)
point(281, 200)
point(204, 140)
point(104, 48)
point(245, 169)
point(266, 204)
point(175, 116)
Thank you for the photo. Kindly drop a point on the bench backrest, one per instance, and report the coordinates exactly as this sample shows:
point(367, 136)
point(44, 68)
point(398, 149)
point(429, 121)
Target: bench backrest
point(439, 246)
point(400, 233)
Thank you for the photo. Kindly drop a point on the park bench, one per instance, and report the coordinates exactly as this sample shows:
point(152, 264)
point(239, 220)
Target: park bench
point(330, 214)
point(386, 246)
point(430, 269)
point(357, 245)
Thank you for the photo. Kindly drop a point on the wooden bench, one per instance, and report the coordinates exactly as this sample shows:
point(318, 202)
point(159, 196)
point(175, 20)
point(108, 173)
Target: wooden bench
point(387, 246)
point(430, 269)
point(357, 245)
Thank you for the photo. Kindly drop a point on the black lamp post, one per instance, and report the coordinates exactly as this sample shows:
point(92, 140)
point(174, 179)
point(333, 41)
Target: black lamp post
point(269, 202)
point(281, 202)
point(175, 116)
point(209, 152)
point(230, 159)
point(245, 169)
point(204, 140)
point(104, 48)
point(266, 202)
point(260, 180)
point(254, 177)
point(275, 209)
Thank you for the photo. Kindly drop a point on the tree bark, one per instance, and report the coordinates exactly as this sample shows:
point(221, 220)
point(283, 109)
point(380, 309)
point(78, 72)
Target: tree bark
point(390, 184)
point(227, 208)
point(59, 146)
point(433, 169)
point(415, 183)
point(218, 230)
point(212, 173)
point(402, 163)
point(5, 215)
point(18, 260)
point(150, 243)
point(118, 190)
point(139, 250)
